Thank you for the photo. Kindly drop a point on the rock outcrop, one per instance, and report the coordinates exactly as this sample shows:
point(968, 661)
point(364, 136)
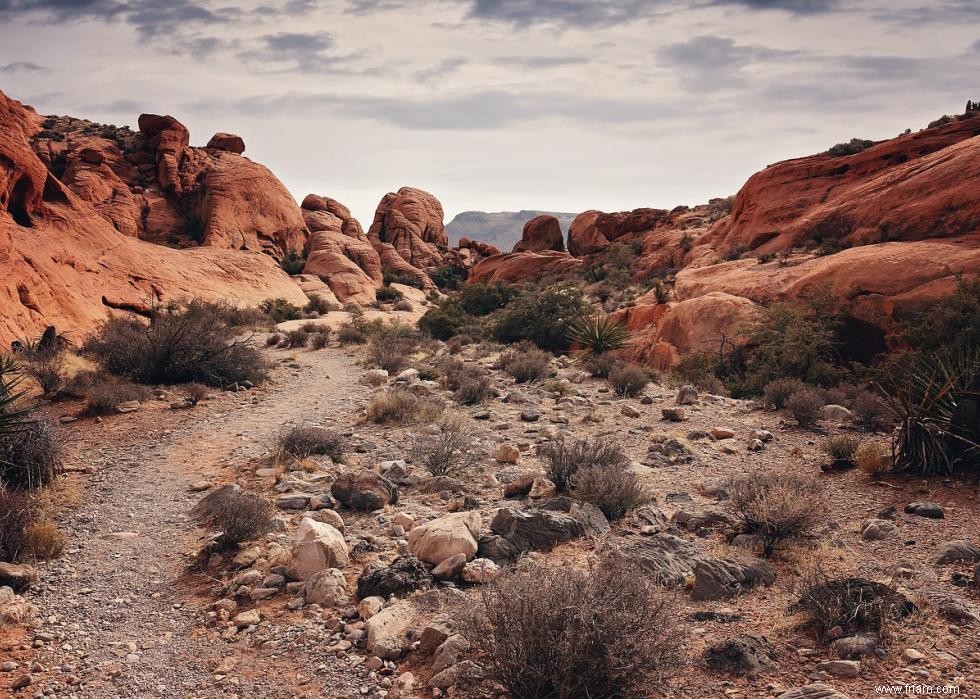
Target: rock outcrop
point(540, 234)
point(411, 221)
point(517, 267)
point(72, 250)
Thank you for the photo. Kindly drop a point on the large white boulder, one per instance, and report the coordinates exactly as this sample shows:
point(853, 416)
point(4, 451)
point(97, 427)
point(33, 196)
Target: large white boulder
point(316, 546)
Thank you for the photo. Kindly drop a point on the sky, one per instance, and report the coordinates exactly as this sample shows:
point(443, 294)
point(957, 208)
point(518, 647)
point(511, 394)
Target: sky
point(503, 105)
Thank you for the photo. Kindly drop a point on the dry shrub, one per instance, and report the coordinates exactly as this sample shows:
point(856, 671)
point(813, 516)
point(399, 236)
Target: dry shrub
point(274, 340)
point(195, 341)
point(612, 488)
point(599, 365)
point(401, 407)
point(403, 305)
point(239, 515)
point(392, 346)
point(778, 506)
point(318, 305)
point(17, 512)
point(352, 332)
point(106, 396)
point(297, 338)
point(836, 607)
point(320, 339)
point(470, 383)
point(563, 633)
point(558, 387)
point(47, 366)
point(628, 379)
point(805, 407)
point(301, 441)
point(564, 457)
point(777, 393)
point(874, 458)
point(30, 456)
point(525, 362)
point(870, 412)
point(840, 447)
point(196, 392)
point(43, 541)
point(449, 451)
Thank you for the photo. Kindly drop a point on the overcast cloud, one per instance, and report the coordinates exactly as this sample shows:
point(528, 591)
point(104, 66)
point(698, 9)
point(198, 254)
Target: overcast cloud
point(559, 105)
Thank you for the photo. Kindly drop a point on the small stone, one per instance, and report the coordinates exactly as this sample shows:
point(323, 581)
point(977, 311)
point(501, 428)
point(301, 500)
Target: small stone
point(629, 411)
point(530, 414)
point(911, 655)
point(674, 414)
point(840, 668)
point(722, 433)
point(129, 406)
point(930, 510)
point(688, 395)
point(507, 454)
point(249, 618)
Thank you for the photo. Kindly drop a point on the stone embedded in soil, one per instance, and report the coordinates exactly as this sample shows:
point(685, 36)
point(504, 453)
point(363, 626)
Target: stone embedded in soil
point(745, 654)
point(930, 510)
point(951, 552)
point(364, 490)
point(877, 530)
point(674, 414)
point(444, 537)
point(725, 578)
point(18, 577)
point(817, 690)
point(316, 546)
point(534, 530)
point(405, 574)
point(687, 395)
point(840, 668)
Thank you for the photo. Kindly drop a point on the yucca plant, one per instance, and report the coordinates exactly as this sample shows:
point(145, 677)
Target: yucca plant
point(598, 334)
point(935, 400)
point(12, 417)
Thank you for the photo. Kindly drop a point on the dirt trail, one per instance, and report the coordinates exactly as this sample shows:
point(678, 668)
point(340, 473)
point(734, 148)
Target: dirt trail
point(117, 610)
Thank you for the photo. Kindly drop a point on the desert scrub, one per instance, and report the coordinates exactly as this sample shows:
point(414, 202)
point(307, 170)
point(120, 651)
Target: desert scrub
point(448, 450)
point(778, 506)
point(302, 441)
point(239, 516)
point(805, 406)
point(628, 380)
point(31, 455)
point(564, 457)
point(613, 488)
point(280, 310)
point(105, 396)
point(180, 344)
point(874, 458)
point(542, 317)
point(599, 365)
point(599, 334)
point(778, 392)
point(840, 448)
point(525, 362)
point(870, 412)
point(565, 633)
point(399, 406)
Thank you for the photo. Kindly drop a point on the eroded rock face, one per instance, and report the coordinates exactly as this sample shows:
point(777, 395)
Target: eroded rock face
point(411, 221)
point(540, 234)
point(593, 231)
point(521, 266)
point(228, 142)
point(53, 237)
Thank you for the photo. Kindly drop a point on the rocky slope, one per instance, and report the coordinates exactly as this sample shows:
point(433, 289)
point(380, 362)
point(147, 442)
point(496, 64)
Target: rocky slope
point(892, 225)
point(502, 229)
point(75, 227)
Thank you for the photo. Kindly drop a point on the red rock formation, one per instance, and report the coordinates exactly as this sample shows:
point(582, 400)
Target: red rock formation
point(66, 263)
point(916, 186)
point(227, 141)
point(411, 221)
point(338, 251)
point(541, 233)
point(523, 266)
point(593, 231)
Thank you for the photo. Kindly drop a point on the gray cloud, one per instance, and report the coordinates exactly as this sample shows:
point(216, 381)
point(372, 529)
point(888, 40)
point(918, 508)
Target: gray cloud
point(305, 52)
point(714, 62)
point(937, 12)
point(440, 70)
point(490, 109)
point(23, 67)
point(149, 17)
point(539, 61)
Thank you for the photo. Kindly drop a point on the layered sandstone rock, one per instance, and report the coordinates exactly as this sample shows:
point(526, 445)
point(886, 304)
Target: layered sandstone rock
point(411, 221)
point(338, 251)
point(540, 234)
point(523, 266)
point(67, 249)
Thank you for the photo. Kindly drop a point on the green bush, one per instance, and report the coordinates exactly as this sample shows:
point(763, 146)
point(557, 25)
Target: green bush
point(445, 320)
point(599, 334)
point(484, 299)
point(386, 294)
point(628, 380)
point(855, 145)
point(448, 277)
point(393, 277)
point(279, 310)
point(525, 362)
point(541, 317)
point(293, 262)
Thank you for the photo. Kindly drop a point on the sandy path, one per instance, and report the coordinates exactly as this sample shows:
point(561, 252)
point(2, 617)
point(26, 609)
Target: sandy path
point(115, 611)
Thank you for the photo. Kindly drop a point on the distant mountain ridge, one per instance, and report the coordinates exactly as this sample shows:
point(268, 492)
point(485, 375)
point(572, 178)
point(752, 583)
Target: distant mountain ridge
point(501, 229)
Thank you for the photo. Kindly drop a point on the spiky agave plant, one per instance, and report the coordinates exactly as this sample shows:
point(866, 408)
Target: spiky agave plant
point(934, 400)
point(598, 334)
point(12, 417)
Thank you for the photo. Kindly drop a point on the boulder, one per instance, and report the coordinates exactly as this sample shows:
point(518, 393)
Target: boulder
point(951, 552)
point(328, 588)
point(439, 539)
point(534, 530)
point(929, 510)
point(724, 578)
point(411, 221)
point(14, 609)
point(364, 490)
point(17, 577)
point(745, 654)
point(405, 574)
point(387, 630)
point(227, 142)
point(541, 233)
point(669, 559)
point(877, 529)
point(316, 546)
